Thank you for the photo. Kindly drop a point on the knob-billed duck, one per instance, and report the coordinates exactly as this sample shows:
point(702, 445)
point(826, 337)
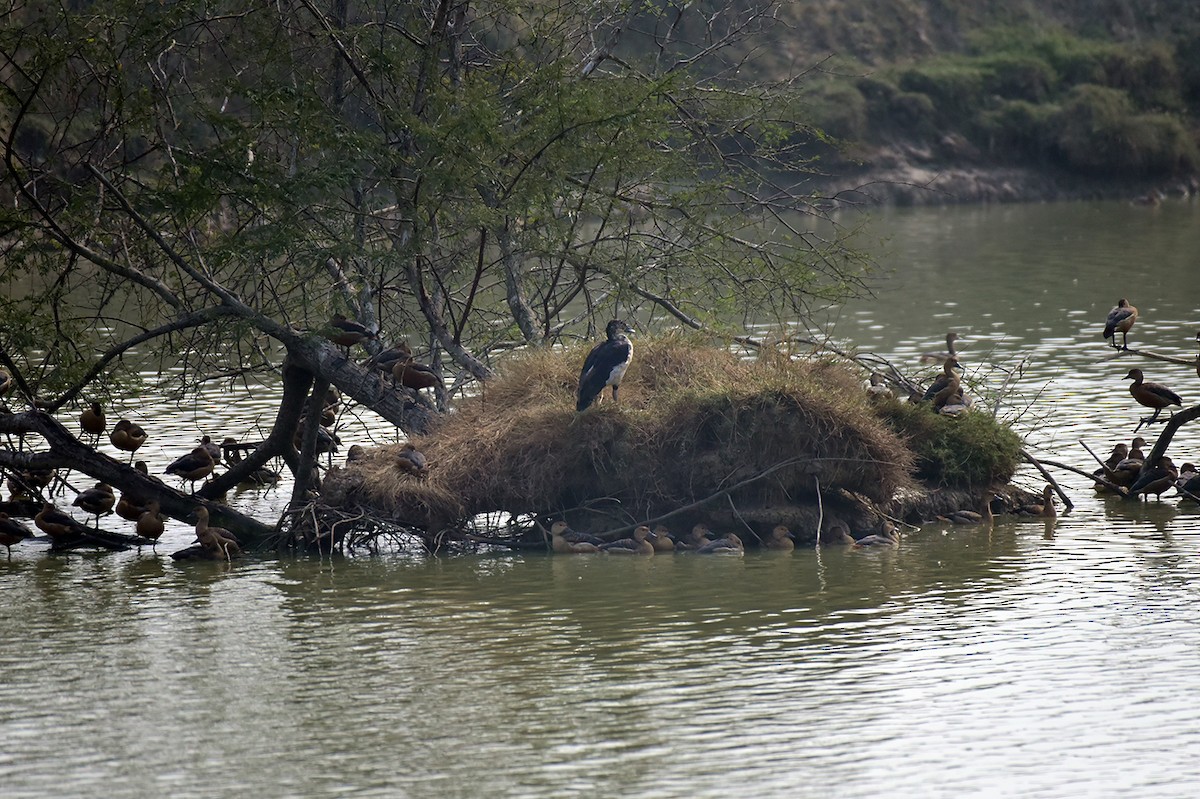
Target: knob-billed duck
point(605, 365)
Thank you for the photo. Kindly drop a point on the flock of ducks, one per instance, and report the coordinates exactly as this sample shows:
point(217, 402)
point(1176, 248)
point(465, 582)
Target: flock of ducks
point(701, 540)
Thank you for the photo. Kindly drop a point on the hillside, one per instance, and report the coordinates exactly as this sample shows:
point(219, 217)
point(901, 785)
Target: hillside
point(940, 102)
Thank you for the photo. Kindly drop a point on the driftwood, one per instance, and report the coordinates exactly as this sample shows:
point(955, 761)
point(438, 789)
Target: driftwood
point(66, 451)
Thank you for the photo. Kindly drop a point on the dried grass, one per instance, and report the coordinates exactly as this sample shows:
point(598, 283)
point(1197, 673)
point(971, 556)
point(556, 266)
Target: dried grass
point(693, 420)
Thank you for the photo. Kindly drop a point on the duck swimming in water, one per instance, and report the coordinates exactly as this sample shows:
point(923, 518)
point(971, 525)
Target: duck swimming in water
point(566, 541)
point(780, 538)
point(728, 544)
point(641, 544)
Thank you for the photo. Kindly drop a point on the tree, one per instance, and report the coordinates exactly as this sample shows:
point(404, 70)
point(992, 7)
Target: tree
point(211, 180)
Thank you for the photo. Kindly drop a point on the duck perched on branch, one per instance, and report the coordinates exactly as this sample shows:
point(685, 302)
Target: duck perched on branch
point(1151, 395)
point(127, 437)
point(1120, 320)
point(346, 333)
point(605, 365)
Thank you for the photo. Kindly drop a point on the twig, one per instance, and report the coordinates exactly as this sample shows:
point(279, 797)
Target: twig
point(702, 502)
point(1061, 494)
point(820, 509)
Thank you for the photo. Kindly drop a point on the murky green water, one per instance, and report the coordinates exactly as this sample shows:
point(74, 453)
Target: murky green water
point(1029, 661)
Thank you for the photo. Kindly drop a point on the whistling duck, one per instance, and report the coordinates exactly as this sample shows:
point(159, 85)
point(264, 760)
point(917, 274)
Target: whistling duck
point(888, 536)
point(835, 533)
point(384, 360)
point(1156, 479)
point(1044, 509)
point(1120, 452)
point(127, 437)
point(411, 460)
point(1191, 489)
point(96, 501)
point(780, 538)
point(663, 540)
point(262, 476)
point(92, 420)
point(696, 538)
point(878, 388)
point(410, 374)
point(1186, 472)
point(642, 543)
point(130, 506)
point(562, 529)
point(214, 450)
point(1120, 320)
point(196, 465)
point(947, 379)
point(215, 539)
point(984, 515)
point(1151, 395)
point(150, 524)
point(357, 452)
point(326, 440)
point(605, 365)
point(54, 523)
point(345, 333)
point(951, 350)
point(566, 541)
point(728, 544)
point(12, 532)
point(6, 381)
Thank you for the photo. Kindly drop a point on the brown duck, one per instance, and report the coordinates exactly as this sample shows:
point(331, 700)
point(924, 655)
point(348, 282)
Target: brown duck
point(12, 532)
point(642, 543)
point(1151, 395)
point(780, 538)
point(96, 501)
point(944, 385)
point(54, 523)
point(127, 437)
point(150, 524)
point(835, 533)
point(215, 540)
point(92, 420)
point(1044, 509)
point(566, 541)
point(196, 465)
point(1156, 479)
point(728, 544)
point(1120, 320)
point(345, 333)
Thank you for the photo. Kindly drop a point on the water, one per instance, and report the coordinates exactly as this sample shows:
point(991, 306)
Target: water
point(1028, 661)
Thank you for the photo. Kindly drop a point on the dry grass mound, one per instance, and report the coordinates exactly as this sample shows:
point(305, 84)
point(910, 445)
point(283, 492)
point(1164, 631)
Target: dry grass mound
point(694, 421)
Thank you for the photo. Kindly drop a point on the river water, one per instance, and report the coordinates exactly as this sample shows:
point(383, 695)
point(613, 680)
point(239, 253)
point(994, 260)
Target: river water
point(1031, 660)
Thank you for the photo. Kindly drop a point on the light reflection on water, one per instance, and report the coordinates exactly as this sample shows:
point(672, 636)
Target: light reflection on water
point(1031, 660)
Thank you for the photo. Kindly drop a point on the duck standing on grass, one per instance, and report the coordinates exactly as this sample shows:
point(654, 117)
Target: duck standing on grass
point(605, 365)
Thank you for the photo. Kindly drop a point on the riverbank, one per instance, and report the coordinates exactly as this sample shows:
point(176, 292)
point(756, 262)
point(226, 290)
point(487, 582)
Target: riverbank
point(912, 176)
